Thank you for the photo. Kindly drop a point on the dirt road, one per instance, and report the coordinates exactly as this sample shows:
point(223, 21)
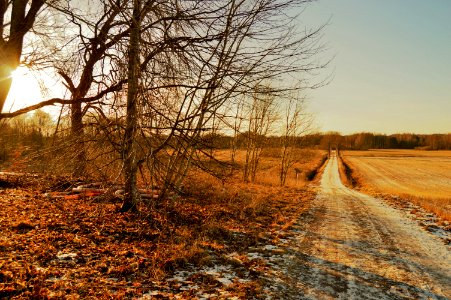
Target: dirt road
point(352, 246)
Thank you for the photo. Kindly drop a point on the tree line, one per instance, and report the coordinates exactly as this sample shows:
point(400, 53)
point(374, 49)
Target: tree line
point(357, 141)
point(365, 141)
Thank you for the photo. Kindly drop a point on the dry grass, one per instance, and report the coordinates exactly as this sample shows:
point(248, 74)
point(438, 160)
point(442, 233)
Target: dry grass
point(398, 153)
point(306, 160)
point(349, 176)
point(422, 177)
point(227, 215)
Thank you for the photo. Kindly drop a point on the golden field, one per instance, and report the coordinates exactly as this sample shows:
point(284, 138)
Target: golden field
point(423, 177)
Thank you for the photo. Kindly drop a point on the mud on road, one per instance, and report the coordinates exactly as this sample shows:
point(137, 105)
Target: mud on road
point(353, 246)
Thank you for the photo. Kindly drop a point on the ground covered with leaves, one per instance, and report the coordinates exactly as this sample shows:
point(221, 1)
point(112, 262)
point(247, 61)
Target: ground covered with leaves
point(53, 248)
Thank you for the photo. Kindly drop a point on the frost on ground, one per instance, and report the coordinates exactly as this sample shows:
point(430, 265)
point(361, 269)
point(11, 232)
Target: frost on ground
point(347, 246)
point(217, 281)
point(427, 220)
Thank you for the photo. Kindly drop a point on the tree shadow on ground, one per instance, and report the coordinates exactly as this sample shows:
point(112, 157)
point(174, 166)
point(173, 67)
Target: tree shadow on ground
point(302, 275)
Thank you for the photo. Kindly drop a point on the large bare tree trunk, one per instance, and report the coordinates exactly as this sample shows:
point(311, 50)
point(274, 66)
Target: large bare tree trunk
point(11, 46)
point(77, 137)
point(130, 159)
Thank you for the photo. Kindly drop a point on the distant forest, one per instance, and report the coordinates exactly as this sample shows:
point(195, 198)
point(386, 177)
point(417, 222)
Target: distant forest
point(357, 141)
point(365, 141)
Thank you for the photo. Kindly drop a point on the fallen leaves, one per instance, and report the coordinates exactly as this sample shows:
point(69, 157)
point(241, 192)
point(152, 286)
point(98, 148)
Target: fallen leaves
point(80, 247)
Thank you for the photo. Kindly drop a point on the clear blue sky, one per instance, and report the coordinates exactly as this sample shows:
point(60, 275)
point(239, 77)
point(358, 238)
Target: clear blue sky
point(392, 70)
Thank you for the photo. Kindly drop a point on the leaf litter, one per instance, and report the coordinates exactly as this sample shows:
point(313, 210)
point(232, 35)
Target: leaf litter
point(191, 247)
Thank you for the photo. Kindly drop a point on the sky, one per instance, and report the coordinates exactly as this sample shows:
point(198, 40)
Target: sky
point(391, 67)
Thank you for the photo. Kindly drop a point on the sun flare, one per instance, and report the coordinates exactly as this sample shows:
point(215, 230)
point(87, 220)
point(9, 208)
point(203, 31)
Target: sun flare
point(24, 89)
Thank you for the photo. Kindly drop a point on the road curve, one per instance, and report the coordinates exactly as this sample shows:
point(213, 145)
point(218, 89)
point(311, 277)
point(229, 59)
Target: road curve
point(353, 246)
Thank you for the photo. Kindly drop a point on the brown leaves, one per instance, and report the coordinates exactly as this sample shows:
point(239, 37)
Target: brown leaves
point(80, 247)
point(66, 243)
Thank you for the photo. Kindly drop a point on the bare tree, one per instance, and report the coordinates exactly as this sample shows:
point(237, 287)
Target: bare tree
point(130, 158)
point(296, 122)
point(261, 117)
point(214, 54)
point(96, 30)
point(237, 122)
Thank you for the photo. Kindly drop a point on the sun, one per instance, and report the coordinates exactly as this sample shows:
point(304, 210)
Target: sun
point(24, 90)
